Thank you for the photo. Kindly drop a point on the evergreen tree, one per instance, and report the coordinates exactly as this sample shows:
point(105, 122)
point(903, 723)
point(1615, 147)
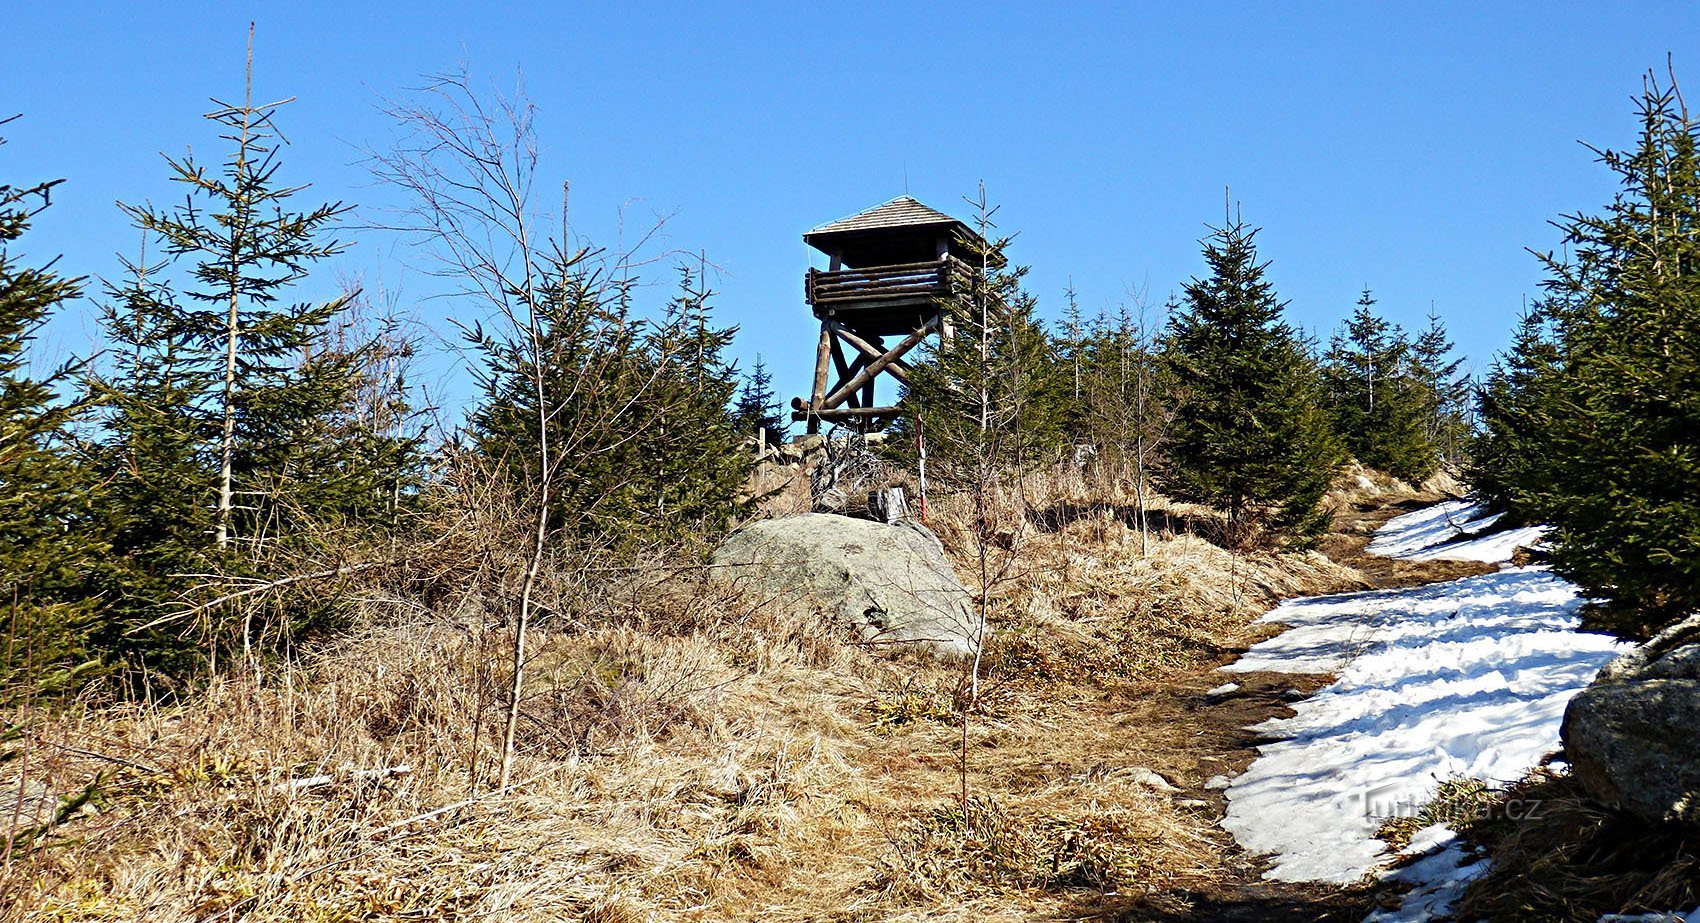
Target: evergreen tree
point(642, 444)
point(990, 395)
point(694, 469)
point(1445, 392)
point(242, 430)
point(586, 354)
point(248, 248)
point(1619, 423)
point(1106, 354)
point(336, 444)
point(158, 462)
point(46, 537)
point(1124, 414)
point(1509, 457)
point(1074, 345)
point(1250, 435)
point(1380, 406)
point(758, 409)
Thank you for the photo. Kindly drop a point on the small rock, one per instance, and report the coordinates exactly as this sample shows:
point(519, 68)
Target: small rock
point(34, 805)
point(1146, 778)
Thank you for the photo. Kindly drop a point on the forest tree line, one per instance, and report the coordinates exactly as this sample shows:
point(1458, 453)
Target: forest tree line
point(240, 440)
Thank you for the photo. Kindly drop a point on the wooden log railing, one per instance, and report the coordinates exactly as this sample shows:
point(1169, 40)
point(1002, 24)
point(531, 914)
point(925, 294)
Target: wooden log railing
point(929, 279)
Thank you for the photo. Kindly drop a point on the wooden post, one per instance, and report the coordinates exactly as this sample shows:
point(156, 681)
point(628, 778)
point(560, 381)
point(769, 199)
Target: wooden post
point(823, 361)
point(846, 371)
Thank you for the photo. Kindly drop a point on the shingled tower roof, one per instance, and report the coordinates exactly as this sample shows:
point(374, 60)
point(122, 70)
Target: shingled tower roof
point(901, 212)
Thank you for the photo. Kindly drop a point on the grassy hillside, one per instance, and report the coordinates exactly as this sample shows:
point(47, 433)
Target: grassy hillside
point(692, 755)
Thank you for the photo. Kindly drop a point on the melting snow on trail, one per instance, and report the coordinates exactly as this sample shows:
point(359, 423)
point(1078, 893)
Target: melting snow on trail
point(1456, 530)
point(1467, 678)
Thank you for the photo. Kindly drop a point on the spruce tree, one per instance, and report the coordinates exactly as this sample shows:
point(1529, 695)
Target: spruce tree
point(990, 395)
point(248, 248)
point(757, 409)
point(1250, 435)
point(1445, 392)
point(586, 351)
point(1509, 455)
point(642, 441)
point(335, 444)
point(1380, 404)
point(1075, 341)
point(693, 467)
point(242, 426)
point(1124, 411)
point(157, 458)
point(1618, 417)
point(47, 539)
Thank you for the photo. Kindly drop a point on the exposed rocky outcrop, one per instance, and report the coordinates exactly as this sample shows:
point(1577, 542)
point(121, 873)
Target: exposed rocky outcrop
point(1630, 736)
point(889, 584)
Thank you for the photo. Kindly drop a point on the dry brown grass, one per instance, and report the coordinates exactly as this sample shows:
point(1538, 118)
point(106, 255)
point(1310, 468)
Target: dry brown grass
point(690, 756)
point(654, 764)
point(1358, 487)
point(1084, 596)
point(1565, 858)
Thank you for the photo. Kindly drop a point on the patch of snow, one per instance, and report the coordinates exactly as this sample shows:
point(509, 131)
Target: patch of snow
point(1494, 548)
point(1223, 689)
point(1217, 783)
point(1438, 879)
point(1428, 838)
point(1466, 678)
point(1430, 526)
point(1432, 533)
point(1690, 916)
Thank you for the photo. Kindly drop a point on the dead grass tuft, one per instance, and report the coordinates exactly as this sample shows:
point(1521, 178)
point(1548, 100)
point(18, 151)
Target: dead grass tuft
point(1458, 802)
point(946, 852)
point(1358, 487)
point(1091, 595)
point(1563, 857)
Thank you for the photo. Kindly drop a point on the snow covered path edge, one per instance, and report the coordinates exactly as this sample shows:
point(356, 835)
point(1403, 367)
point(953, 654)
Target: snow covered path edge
point(1455, 530)
point(1464, 678)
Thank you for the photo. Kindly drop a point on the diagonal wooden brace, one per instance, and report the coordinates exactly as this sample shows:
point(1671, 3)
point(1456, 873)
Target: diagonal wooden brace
point(898, 369)
point(876, 366)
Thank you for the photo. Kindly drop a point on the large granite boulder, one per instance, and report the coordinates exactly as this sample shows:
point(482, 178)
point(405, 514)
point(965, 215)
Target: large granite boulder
point(1630, 736)
point(889, 584)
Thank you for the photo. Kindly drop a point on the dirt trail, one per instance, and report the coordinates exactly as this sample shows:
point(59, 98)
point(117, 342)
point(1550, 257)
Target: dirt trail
point(1226, 747)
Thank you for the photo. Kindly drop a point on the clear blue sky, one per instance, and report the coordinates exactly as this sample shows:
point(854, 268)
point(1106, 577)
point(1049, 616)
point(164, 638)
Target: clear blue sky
point(1416, 149)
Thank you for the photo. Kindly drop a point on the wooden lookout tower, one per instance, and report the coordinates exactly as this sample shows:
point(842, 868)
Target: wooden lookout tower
point(879, 298)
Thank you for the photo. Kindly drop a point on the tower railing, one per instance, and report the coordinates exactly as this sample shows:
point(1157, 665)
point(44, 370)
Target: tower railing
point(899, 281)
